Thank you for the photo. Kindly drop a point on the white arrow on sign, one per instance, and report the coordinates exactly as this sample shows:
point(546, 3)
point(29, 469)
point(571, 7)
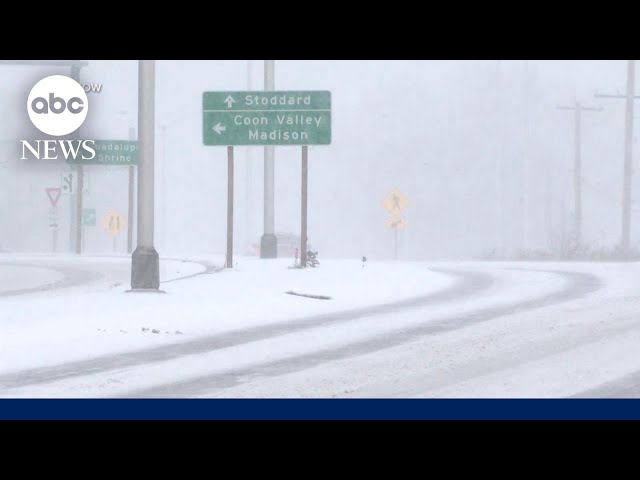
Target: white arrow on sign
point(229, 101)
point(218, 128)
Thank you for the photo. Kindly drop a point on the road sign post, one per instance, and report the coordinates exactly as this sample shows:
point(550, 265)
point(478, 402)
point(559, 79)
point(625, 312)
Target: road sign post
point(268, 118)
point(229, 261)
point(53, 193)
point(394, 203)
point(55, 240)
point(132, 174)
point(269, 241)
point(303, 207)
point(395, 244)
point(53, 225)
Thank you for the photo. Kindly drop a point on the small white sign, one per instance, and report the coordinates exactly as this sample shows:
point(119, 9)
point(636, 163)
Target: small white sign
point(69, 183)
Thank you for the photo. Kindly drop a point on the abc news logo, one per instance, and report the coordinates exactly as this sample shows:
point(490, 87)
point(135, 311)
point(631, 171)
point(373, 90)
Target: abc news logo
point(57, 106)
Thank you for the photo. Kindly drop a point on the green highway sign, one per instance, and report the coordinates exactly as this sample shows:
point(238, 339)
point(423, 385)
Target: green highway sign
point(266, 118)
point(109, 152)
point(88, 217)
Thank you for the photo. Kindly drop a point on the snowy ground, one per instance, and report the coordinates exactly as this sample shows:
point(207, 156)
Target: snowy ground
point(553, 351)
point(391, 329)
point(97, 317)
point(25, 277)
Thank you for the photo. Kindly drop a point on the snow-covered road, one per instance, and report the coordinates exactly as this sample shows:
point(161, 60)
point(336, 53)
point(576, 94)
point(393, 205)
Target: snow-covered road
point(392, 329)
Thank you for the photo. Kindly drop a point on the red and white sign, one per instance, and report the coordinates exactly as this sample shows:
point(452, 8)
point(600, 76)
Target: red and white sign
point(54, 195)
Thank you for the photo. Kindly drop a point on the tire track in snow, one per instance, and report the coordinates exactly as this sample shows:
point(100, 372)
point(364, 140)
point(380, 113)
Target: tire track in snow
point(467, 283)
point(627, 386)
point(579, 285)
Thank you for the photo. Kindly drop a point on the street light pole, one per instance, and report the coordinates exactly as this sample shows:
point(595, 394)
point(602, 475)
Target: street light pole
point(269, 242)
point(145, 262)
point(75, 74)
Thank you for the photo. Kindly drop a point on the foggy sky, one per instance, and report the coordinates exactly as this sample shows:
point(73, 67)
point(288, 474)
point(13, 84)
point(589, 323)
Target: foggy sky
point(440, 131)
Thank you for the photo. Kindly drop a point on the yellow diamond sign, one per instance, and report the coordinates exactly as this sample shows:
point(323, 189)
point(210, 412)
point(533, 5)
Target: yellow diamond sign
point(395, 223)
point(113, 223)
point(395, 202)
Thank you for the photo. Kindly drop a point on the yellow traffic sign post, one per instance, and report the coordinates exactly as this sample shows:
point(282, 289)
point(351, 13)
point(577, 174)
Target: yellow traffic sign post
point(113, 223)
point(394, 203)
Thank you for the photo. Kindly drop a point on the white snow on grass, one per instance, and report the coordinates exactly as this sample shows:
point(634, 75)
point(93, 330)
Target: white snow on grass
point(14, 278)
point(83, 322)
point(508, 286)
point(551, 351)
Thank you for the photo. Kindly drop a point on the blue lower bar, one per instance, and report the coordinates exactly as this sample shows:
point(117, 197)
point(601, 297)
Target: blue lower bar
point(320, 409)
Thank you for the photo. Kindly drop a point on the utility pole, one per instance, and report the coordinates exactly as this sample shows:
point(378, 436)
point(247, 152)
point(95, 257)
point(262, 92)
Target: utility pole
point(628, 153)
point(145, 263)
point(578, 108)
point(269, 242)
point(525, 193)
point(499, 161)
